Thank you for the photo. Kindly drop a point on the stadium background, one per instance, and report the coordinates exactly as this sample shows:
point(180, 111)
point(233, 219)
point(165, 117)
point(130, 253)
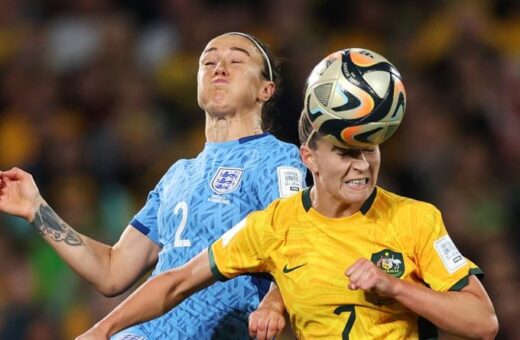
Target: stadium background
point(98, 98)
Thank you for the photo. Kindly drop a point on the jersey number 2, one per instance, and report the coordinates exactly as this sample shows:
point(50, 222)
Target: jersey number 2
point(350, 321)
point(181, 208)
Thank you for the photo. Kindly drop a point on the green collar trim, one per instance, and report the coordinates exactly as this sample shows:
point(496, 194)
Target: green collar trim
point(307, 203)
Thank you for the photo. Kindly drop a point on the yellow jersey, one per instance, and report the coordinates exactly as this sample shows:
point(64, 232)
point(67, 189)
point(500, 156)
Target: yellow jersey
point(307, 254)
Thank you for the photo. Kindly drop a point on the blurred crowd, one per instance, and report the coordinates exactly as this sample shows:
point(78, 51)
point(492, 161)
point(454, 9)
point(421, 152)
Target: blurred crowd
point(98, 98)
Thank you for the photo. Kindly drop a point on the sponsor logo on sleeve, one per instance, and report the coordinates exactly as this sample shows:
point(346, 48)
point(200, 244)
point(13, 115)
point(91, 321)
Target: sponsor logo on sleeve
point(289, 180)
point(449, 254)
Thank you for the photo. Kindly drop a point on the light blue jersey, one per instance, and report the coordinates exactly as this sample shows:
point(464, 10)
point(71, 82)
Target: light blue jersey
point(194, 203)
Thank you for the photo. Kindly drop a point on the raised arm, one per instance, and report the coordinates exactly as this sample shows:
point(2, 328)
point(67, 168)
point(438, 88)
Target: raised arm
point(468, 313)
point(155, 297)
point(111, 269)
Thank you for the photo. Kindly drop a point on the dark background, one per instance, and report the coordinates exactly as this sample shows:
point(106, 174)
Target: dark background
point(98, 98)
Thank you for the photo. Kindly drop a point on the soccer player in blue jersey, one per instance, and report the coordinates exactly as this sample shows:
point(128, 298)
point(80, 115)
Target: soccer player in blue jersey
point(241, 169)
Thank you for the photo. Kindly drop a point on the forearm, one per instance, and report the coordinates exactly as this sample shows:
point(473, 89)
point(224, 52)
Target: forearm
point(152, 299)
point(87, 257)
point(73, 247)
point(461, 313)
point(273, 299)
point(159, 295)
point(104, 266)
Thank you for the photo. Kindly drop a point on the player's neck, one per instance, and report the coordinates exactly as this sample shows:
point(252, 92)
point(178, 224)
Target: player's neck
point(331, 206)
point(232, 127)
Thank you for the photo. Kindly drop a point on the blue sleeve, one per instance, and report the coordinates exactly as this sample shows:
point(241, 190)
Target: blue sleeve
point(281, 175)
point(146, 219)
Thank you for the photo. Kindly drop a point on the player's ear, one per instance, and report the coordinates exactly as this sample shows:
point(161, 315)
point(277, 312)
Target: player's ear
point(308, 158)
point(267, 91)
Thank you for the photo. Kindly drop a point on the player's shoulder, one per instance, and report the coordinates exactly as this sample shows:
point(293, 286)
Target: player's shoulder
point(178, 165)
point(395, 203)
point(410, 216)
point(181, 167)
point(280, 153)
point(274, 144)
point(268, 154)
point(286, 208)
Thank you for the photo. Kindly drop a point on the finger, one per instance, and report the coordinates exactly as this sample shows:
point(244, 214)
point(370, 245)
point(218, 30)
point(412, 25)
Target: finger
point(366, 281)
point(14, 174)
point(350, 269)
point(253, 324)
point(355, 266)
point(355, 274)
point(272, 328)
point(281, 326)
point(262, 329)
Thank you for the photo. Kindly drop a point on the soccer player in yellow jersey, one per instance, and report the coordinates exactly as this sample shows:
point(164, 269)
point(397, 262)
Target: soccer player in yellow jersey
point(352, 260)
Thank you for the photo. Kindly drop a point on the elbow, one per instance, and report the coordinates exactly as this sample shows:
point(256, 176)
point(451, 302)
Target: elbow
point(177, 289)
point(488, 330)
point(491, 330)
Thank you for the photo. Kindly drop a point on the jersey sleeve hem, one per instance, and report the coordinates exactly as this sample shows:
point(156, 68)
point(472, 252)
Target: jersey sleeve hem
point(213, 266)
point(139, 226)
point(465, 280)
point(144, 230)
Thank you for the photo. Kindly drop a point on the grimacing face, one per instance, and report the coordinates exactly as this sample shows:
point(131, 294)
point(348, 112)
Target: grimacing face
point(229, 80)
point(341, 175)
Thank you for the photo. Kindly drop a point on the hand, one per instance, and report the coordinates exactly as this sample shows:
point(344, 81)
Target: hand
point(365, 275)
point(93, 334)
point(19, 195)
point(266, 323)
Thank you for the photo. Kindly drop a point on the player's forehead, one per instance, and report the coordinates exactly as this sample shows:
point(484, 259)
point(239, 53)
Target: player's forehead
point(232, 42)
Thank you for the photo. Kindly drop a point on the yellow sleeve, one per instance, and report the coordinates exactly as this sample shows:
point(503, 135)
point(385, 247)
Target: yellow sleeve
point(241, 249)
point(441, 264)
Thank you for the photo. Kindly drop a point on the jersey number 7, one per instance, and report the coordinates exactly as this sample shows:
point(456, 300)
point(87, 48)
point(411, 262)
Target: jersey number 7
point(350, 321)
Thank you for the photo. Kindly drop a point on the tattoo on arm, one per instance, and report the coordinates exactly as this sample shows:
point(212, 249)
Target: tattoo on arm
point(49, 223)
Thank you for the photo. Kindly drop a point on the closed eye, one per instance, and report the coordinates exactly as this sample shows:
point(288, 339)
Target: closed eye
point(347, 152)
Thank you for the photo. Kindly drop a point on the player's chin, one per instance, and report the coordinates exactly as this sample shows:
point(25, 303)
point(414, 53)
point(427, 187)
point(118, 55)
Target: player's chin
point(216, 103)
point(356, 194)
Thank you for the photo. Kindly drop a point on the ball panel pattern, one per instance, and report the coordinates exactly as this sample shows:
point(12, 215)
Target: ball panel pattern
point(355, 97)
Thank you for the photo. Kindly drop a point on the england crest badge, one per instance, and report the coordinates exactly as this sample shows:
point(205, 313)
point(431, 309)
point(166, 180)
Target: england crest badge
point(226, 180)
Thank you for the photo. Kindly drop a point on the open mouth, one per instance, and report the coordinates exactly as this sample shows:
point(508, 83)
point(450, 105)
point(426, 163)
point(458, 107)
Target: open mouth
point(357, 182)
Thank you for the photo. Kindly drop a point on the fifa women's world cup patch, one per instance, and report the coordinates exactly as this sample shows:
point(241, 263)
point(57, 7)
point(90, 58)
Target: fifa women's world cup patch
point(226, 180)
point(449, 254)
point(390, 262)
point(289, 180)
